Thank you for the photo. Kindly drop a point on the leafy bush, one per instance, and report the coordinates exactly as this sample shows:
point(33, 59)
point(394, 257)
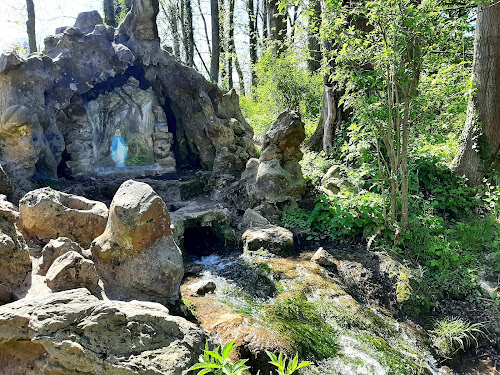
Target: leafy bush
point(213, 362)
point(335, 218)
point(281, 365)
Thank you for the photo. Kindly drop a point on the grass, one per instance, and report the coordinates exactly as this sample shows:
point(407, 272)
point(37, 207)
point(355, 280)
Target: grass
point(453, 334)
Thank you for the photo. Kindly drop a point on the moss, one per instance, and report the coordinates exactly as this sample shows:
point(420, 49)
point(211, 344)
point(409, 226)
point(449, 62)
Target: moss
point(300, 322)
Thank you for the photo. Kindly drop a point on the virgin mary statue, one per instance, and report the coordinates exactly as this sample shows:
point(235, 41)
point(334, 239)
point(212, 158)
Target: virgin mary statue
point(118, 149)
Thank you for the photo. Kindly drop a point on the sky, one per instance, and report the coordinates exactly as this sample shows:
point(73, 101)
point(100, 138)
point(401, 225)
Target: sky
point(50, 14)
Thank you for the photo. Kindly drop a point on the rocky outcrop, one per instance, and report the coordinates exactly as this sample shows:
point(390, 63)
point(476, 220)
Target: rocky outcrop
point(72, 271)
point(136, 256)
point(48, 214)
point(5, 183)
point(273, 239)
point(335, 180)
point(15, 263)
point(276, 178)
point(24, 151)
point(87, 61)
point(55, 248)
point(74, 332)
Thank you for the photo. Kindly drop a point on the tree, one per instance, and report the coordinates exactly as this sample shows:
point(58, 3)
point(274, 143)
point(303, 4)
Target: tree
point(230, 44)
point(215, 56)
point(252, 27)
point(30, 24)
point(313, 42)
point(480, 141)
point(278, 26)
point(109, 12)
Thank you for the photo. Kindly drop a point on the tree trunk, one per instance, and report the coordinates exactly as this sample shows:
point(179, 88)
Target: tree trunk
point(30, 25)
point(172, 16)
point(241, 77)
point(215, 59)
point(109, 12)
point(230, 45)
point(277, 25)
point(265, 19)
point(313, 44)
point(189, 33)
point(480, 141)
point(252, 26)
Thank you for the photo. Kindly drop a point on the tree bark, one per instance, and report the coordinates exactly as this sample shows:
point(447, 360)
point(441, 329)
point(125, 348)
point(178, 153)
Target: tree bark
point(30, 25)
point(230, 45)
point(313, 29)
point(172, 15)
point(215, 58)
point(265, 20)
point(278, 27)
point(252, 26)
point(480, 141)
point(109, 12)
point(189, 33)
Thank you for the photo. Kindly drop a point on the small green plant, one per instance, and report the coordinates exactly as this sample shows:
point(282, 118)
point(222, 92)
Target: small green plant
point(453, 334)
point(213, 362)
point(281, 363)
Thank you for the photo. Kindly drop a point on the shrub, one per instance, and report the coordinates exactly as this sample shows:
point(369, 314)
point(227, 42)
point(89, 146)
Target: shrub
point(452, 334)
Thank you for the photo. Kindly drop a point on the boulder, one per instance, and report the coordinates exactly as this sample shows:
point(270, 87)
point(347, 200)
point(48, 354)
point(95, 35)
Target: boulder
point(252, 219)
point(86, 21)
point(55, 248)
point(203, 287)
point(7, 209)
point(25, 151)
point(15, 262)
point(72, 271)
point(48, 214)
point(276, 178)
point(136, 256)
point(274, 239)
point(323, 258)
point(5, 183)
point(73, 332)
point(335, 180)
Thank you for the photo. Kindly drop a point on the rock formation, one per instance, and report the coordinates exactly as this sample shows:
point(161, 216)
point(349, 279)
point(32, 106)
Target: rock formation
point(87, 77)
point(136, 256)
point(55, 248)
point(48, 214)
point(275, 179)
point(73, 332)
point(15, 263)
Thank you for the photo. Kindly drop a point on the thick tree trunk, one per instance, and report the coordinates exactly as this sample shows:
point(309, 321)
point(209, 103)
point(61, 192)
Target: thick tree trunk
point(30, 25)
point(278, 27)
point(215, 59)
point(109, 12)
point(480, 141)
point(252, 26)
point(190, 33)
point(313, 44)
point(265, 20)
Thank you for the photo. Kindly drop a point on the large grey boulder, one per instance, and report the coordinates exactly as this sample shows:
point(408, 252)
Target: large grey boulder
point(276, 178)
point(136, 256)
point(15, 262)
point(48, 214)
point(73, 332)
point(273, 239)
point(86, 21)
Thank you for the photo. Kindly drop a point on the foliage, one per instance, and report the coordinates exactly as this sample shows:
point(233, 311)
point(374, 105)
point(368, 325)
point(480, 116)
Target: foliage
point(453, 334)
point(282, 84)
point(339, 217)
point(281, 365)
point(315, 165)
point(213, 362)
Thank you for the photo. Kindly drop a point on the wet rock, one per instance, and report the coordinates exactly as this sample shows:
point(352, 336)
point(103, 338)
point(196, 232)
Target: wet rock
point(56, 248)
point(274, 239)
point(74, 332)
point(72, 271)
point(136, 256)
point(15, 262)
point(323, 258)
point(203, 287)
point(48, 214)
point(276, 178)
